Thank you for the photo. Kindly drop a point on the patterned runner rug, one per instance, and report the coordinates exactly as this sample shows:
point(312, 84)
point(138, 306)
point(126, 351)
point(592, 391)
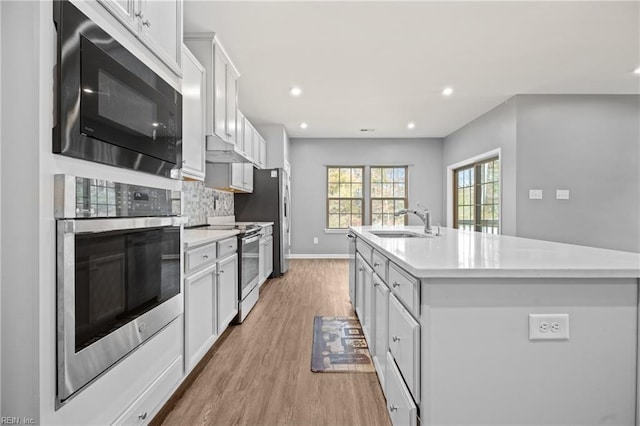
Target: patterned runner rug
point(339, 346)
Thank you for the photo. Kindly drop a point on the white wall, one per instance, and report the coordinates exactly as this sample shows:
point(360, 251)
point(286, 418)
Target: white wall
point(309, 158)
point(494, 130)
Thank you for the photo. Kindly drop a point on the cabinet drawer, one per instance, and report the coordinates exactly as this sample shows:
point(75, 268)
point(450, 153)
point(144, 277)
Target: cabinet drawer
point(400, 406)
point(227, 247)
point(404, 344)
point(379, 264)
point(405, 287)
point(199, 257)
point(147, 405)
point(364, 249)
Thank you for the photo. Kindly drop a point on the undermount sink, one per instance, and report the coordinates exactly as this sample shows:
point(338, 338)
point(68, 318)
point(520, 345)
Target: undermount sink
point(399, 234)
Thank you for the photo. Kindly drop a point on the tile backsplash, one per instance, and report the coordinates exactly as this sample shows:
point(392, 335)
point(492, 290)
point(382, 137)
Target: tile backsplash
point(200, 203)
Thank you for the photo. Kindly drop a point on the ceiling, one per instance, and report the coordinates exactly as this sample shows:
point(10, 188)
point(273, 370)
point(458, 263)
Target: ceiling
point(379, 65)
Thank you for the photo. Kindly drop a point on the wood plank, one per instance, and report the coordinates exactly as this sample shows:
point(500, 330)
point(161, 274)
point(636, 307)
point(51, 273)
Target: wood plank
point(260, 374)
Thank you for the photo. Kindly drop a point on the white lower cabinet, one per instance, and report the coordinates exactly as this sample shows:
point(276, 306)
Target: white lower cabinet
point(404, 344)
point(359, 285)
point(147, 405)
point(265, 258)
point(211, 296)
point(200, 314)
point(400, 405)
point(381, 329)
point(227, 297)
point(367, 306)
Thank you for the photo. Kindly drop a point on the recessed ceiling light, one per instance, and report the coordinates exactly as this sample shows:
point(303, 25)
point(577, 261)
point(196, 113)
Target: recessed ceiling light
point(447, 91)
point(303, 125)
point(636, 71)
point(411, 125)
point(295, 91)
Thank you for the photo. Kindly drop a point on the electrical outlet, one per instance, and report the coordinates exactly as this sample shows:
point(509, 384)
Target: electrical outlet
point(535, 194)
point(315, 240)
point(548, 326)
point(562, 194)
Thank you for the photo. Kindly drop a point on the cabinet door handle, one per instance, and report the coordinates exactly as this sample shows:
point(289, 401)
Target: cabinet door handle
point(395, 284)
point(392, 407)
point(205, 256)
point(146, 23)
point(142, 416)
point(139, 14)
point(376, 264)
point(222, 271)
point(395, 338)
point(360, 269)
point(231, 246)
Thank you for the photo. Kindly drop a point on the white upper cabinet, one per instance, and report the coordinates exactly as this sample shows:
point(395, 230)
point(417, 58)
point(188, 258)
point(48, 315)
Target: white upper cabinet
point(193, 116)
point(222, 86)
point(157, 24)
point(249, 135)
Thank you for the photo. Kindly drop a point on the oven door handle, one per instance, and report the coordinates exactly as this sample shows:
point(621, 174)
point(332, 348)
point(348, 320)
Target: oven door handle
point(250, 240)
point(78, 226)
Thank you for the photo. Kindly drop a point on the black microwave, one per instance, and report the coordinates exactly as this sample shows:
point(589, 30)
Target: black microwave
point(111, 108)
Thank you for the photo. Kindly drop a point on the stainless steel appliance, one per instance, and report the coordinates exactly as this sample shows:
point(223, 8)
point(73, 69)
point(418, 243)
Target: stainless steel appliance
point(111, 108)
point(248, 266)
point(118, 273)
point(270, 202)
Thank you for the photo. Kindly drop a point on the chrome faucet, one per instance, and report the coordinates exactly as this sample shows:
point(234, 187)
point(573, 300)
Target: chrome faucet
point(425, 215)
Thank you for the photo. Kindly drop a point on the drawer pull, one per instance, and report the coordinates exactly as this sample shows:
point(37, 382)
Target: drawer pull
point(395, 284)
point(376, 264)
point(392, 407)
point(395, 338)
point(376, 284)
point(231, 246)
point(205, 256)
point(142, 416)
point(361, 269)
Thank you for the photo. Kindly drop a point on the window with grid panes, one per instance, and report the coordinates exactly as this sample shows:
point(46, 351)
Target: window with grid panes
point(477, 196)
point(345, 197)
point(388, 194)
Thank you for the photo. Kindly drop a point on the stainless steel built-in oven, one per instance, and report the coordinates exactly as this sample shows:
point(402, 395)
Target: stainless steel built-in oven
point(249, 252)
point(118, 273)
point(111, 107)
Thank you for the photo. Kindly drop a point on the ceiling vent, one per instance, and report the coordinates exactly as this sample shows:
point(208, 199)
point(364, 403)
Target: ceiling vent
point(367, 130)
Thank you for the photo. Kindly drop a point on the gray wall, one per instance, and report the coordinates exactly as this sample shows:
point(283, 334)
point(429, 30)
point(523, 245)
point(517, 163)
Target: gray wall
point(591, 146)
point(495, 129)
point(309, 158)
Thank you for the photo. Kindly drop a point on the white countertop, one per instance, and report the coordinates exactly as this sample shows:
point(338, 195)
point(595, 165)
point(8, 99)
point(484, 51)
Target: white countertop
point(195, 237)
point(467, 254)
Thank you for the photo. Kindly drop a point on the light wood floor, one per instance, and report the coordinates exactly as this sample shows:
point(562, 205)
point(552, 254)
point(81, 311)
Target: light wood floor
point(260, 373)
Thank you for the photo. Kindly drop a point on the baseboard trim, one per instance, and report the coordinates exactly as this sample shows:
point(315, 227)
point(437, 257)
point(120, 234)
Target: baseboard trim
point(318, 256)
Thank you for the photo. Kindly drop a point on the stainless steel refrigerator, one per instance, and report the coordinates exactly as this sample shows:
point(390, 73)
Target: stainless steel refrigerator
point(269, 202)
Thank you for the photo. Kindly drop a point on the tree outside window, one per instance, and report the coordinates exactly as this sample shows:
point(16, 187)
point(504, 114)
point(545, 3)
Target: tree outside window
point(345, 196)
point(388, 195)
point(477, 196)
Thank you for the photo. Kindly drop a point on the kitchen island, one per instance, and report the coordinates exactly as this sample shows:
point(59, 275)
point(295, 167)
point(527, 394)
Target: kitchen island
point(470, 328)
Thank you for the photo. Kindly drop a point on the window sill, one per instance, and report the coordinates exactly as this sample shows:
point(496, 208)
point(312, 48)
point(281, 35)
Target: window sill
point(336, 231)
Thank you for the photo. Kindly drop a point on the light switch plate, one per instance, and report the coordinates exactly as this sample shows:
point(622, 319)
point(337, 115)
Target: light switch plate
point(535, 194)
point(562, 194)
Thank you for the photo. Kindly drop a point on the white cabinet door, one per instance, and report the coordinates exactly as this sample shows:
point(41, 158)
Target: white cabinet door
point(220, 96)
point(249, 132)
point(240, 122)
point(359, 286)
point(232, 104)
point(237, 176)
point(161, 30)
point(404, 344)
point(193, 116)
point(200, 314)
point(248, 177)
point(400, 405)
point(381, 328)
point(367, 306)
point(124, 10)
point(263, 153)
point(227, 291)
point(262, 260)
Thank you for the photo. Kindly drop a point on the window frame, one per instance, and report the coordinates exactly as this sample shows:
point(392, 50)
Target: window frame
point(406, 192)
point(328, 199)
point(476, 166)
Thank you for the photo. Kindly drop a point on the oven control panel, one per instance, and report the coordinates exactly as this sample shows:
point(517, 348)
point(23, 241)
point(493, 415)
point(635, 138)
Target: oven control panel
point(87, 198)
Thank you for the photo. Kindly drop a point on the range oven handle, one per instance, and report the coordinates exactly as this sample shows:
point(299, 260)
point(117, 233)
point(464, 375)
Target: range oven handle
point(249, 240)
point(78, 226)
